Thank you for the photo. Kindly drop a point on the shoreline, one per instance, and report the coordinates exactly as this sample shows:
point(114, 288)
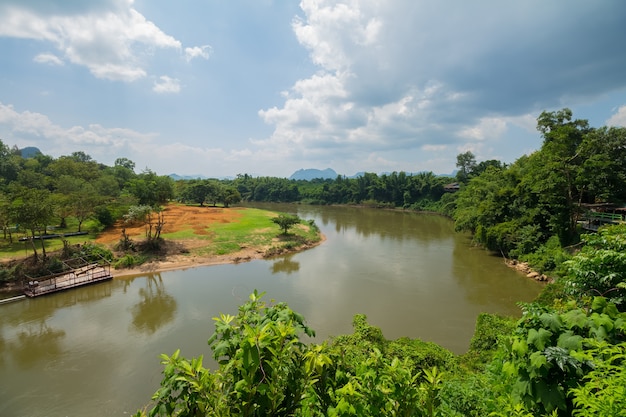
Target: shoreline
point(180, 262)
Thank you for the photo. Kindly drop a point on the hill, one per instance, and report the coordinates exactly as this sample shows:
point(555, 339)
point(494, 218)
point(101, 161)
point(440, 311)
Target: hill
point(310, 174)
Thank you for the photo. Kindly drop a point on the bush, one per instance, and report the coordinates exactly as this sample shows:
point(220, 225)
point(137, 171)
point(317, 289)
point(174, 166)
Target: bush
point(549, 257)
point(129, 261)
point(490, 328)
point(95, 253)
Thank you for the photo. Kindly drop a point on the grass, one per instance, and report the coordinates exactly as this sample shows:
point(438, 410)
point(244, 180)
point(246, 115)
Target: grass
point(19, 249)
point(253, 228)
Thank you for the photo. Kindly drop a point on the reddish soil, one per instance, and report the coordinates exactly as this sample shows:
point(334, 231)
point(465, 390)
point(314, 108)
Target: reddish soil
point(177, 218)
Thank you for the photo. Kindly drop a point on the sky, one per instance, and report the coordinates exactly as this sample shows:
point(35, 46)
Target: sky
point(218, 88)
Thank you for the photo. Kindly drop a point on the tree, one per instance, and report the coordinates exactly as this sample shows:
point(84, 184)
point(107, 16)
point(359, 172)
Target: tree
point(153, 220)
point(151, 189)
point(286, 222)
point(9, 164)
point(125, 163)
point(555, 176)
point(230, 195)
point(5, 217)
point(465, 162)
point(33, 210)
point(599, 268)
point(84, 203)
point(200, 192)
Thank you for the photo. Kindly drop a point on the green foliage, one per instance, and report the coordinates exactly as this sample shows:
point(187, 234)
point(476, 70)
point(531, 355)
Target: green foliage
point(95, 253)
point(286, 222)
point(104, 216)
point(600, 266)
point(544, 357)
point(489, 332)
point(129, 261)
point(549, 257)
point(603, 393)
point(264, 369)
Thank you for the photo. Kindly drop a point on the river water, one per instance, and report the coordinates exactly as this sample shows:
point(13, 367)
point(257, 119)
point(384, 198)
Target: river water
point(94, 351)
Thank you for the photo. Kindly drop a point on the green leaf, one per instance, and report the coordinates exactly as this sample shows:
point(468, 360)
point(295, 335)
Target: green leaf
point(537, 360)
point(575, 318)
point(552, 321)
point(599, 303)
point(569, 341)
point(539, 339)
point(519, 347)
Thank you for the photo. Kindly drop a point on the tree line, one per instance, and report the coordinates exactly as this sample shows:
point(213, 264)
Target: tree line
point(528, 209)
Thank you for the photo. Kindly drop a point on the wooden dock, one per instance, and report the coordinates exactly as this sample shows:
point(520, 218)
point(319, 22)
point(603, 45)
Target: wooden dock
point(84, 275)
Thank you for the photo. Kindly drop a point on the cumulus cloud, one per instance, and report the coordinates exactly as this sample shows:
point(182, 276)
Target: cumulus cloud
point(38, 128)
point(203, 51)
point(166, 85)
point(47, 58)
point(619, 118)
point(108, 37)
point(413, 75)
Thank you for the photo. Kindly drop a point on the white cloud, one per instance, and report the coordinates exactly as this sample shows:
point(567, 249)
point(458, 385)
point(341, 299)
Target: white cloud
point(166, 85)
point(39, 128)
point(110, 39)
point(619, 118)
point(486, 128)
point(203, 51)
point(47, 58)
point(411, 76)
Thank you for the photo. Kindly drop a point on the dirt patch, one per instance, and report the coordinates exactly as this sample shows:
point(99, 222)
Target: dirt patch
point(177, 218)
point(178, 253)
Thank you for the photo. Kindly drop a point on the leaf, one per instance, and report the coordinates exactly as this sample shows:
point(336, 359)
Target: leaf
point(569, 341)
point(537, 360)
point(552, 321)
point(575, 318)
point(599, 303)
point(539, 338)
point(519, 347)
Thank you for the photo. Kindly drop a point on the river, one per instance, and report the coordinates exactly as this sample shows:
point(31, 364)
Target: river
point(94, 351)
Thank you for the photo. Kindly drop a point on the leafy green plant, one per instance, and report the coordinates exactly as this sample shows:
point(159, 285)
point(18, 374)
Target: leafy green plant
point(129, 261)
point(286, 222)
point(600, 267)
point(603, 393)
point(544, 354)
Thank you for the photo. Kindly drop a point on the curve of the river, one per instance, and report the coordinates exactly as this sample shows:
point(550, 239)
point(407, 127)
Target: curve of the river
point(94, 350)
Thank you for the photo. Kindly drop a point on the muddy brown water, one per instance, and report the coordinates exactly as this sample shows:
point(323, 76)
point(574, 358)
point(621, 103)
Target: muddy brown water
point(95, 350)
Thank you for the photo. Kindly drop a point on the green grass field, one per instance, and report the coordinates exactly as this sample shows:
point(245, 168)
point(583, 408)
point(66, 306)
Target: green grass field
point(253, 228)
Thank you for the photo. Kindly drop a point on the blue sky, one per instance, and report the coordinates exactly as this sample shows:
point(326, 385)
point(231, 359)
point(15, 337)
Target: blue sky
point(266, 87)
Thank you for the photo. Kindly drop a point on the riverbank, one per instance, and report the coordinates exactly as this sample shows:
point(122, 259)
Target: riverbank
point(188, 261)
point(524, 268)
point(196, 236)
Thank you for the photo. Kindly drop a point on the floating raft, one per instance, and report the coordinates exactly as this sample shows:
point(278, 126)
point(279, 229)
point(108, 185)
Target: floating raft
point(78, 277)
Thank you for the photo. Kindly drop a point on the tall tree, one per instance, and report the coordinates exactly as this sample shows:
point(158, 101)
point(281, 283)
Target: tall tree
point(465, 162)
point(557, 169)
point(33, 210)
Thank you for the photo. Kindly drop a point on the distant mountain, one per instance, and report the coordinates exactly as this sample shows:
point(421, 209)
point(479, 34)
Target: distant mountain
point(177, 177)
point(311, 174)
point(30, 152)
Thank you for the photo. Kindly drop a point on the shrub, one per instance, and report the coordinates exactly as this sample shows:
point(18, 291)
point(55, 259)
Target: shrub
point(129, 261)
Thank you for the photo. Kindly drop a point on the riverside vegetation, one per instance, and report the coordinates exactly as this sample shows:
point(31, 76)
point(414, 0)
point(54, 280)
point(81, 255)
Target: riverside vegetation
point(565, 356)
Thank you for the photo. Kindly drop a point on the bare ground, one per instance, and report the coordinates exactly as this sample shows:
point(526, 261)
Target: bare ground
point(178, 253)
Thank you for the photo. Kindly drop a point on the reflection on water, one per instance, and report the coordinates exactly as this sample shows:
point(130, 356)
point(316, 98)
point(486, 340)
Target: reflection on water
point(155, 308)
point(35, 344)
point(95, 350)
point(285, 264)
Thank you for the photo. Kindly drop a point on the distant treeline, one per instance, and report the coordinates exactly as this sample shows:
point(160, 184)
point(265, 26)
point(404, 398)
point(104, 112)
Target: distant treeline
point(514, 209)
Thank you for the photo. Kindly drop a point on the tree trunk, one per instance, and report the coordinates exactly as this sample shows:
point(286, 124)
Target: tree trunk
point(32, 243)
